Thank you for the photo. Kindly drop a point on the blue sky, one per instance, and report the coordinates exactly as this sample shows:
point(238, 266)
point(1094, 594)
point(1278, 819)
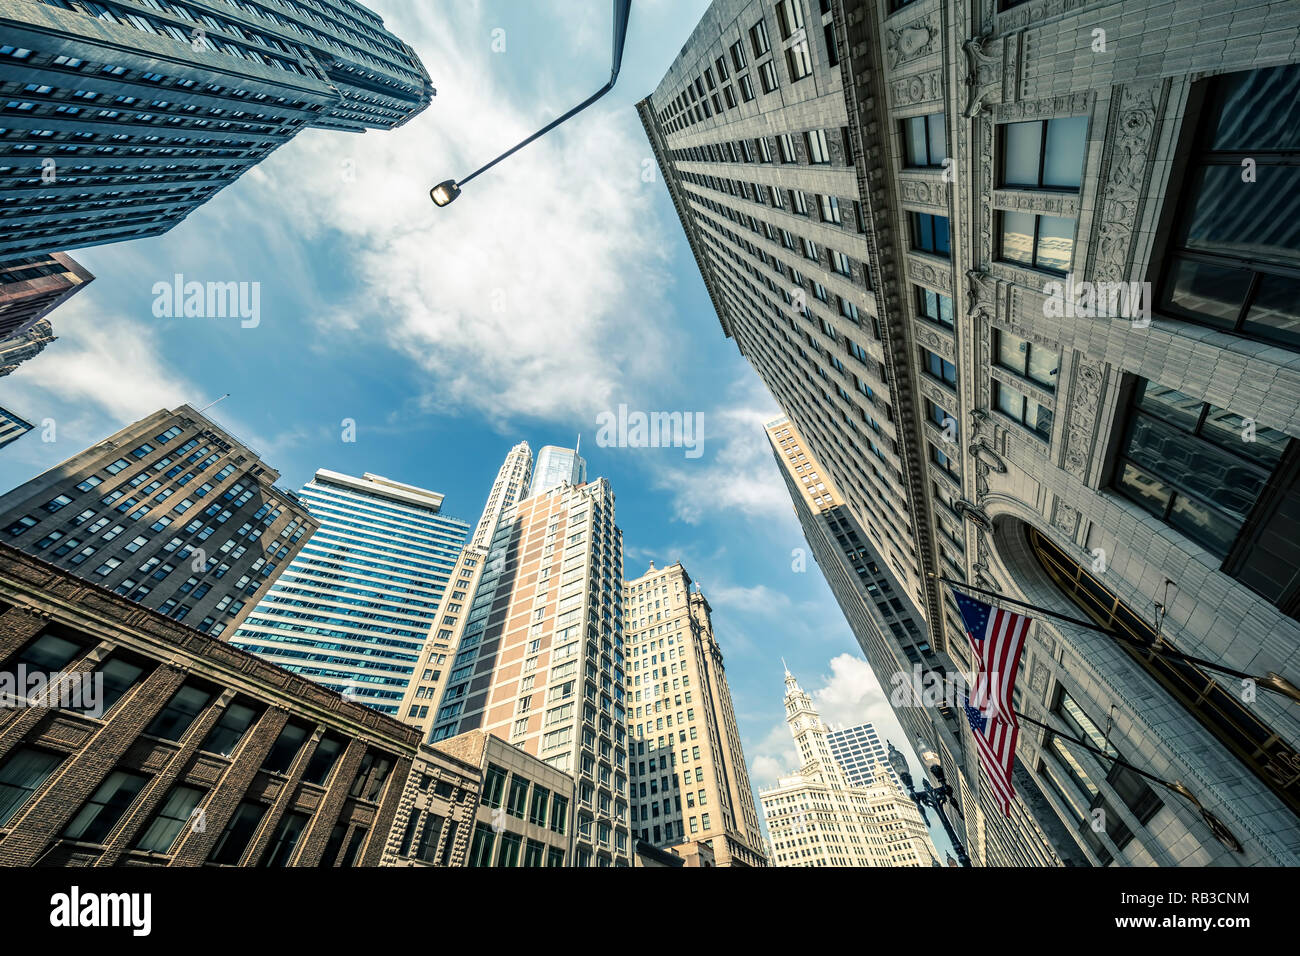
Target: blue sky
point(559, 286)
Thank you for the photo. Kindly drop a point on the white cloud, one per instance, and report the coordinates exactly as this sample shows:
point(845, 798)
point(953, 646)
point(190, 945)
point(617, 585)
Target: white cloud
point(537, 294)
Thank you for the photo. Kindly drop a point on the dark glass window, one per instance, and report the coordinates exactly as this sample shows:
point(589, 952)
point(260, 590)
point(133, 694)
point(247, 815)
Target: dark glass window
point(518, 797)
point(286, 838)
point(930, 234)
point(106, 807)
point(22, 775)
point(1235, 261)
point(494, 784)
point(1187, 463)
point(170, 820)
point(323, 760)
point(230, 729)
point(480, 851)
point(238, 833)
point(180, 713)
point(286, 747)
point(934, 306)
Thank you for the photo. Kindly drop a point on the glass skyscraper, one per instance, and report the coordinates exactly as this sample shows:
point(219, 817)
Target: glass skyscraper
point(355, 607)
point(555, 466)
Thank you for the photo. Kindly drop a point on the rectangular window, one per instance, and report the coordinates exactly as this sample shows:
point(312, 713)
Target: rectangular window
point(789, 15)
point(480, 851)
point(234, 839)
point(758, 39)
point(1038, 242)
point(23, 773)
point(934, 306)
point(939, 368)
point(1188, 464)
point(1023, 409)
point(167, 824)
point(930, 234)
point(230, 729)
point(180, 713)
point(1044, 154)
point(1037, 363)
point(106, 807)
point(925, 141)
point(819, 152)
point(767, 77)
point(1234, 264)
point(798, 60)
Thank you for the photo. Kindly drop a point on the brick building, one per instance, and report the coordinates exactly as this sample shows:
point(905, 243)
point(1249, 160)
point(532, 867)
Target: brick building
point(201, 754)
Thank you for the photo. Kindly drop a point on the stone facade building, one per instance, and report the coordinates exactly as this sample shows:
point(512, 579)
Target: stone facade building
point(150, 744)
point(172, 511)
point(689, 781)
point(1008, 165)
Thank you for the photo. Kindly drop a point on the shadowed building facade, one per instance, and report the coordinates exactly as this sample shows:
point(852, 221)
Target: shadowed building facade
point(184, 751)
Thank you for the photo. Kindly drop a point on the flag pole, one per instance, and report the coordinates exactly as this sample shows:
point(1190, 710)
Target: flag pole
point(1274, 682)
point(1217, 826)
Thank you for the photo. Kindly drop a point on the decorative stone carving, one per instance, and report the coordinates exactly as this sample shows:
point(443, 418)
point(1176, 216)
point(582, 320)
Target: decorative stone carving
point(986, 456)
point(1050, 204)
point(914, 189)
point(936, 276)
point(983, 294)
point(1134, 128)
point(913, 41)
point(1068, 104)
point(1086, 387)
point(983, 73)
point(916, 89)
point(1066, 519)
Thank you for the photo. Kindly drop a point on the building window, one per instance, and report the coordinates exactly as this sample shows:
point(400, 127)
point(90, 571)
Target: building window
point(1034, 362)
point(1044, 154)
point(738, 55)
point(930, 234)
point(167, 824)
point(239, 832)
point(925, 141)
point(230, 729)
point(518, 802)
point(494, 786)
point(819, 152)
point(480, 852)
point(106, 807)
point(1226, 483)
point(758, 39)
point(1235, 258)
point(798, 61)
point(1023, 409)
point(1045, 243)
point(767, 77)
point(934, 306)
point(939, 368)
point(180, 713)
point(22, 775)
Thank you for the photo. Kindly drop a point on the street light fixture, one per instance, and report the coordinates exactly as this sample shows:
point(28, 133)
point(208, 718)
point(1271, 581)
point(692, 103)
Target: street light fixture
point(447, 191)
point(933, 797)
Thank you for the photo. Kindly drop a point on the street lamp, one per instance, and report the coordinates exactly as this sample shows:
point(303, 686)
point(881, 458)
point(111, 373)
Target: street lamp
point(929, 796)
point(446, 192)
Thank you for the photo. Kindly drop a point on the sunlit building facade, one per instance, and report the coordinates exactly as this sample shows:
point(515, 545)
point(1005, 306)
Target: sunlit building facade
point(353, 610)
point(1006, 267)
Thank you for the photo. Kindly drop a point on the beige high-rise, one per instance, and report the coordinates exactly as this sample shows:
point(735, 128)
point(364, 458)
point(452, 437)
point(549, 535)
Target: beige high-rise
point(419, 706)
point(689, 779)
point(541, 661)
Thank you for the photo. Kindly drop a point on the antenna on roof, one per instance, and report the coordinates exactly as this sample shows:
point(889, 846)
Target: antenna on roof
point(217, 402)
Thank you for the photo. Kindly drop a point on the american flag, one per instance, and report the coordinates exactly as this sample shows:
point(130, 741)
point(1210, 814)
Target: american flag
point(997, 636)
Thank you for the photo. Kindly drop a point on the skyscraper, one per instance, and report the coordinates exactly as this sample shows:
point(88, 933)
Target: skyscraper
point(420, 705)
point(129, 116)
point(991, 269)
point(18, 349)
point(12, 427)
point(541, 661)
point(353, 609)
point(688, 775)
point(33, 287)
point(818, 817)
point(173, 512)
point(557, 466)
point(860, 753)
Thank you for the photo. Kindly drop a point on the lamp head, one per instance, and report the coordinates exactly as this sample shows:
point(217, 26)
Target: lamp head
point(444, 193)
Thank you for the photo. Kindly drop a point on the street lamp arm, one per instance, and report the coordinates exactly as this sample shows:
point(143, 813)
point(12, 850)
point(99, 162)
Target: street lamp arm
point(622, 9)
